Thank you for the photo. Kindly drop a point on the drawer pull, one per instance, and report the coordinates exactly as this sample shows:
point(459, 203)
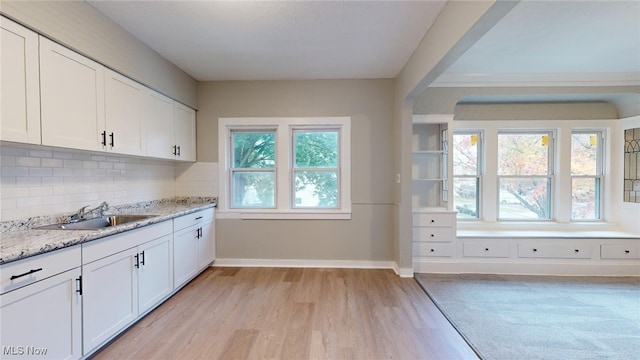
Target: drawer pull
point(535, 250)
point(432, 221)
point(199, 217)
point(432, 235)
point(486, 249)
point(627, 251)
point(432, 250)
point(576, 251)
point(25, 274)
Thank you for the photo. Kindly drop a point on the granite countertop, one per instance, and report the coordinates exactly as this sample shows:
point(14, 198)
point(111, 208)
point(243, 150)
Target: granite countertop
point(20, 240)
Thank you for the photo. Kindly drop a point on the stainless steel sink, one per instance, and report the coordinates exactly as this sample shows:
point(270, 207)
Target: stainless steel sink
point(97, 223)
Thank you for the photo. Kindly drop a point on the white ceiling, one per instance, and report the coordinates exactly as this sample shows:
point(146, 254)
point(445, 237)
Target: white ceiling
point(562, 42)
point(538, 42)
point(276, 40)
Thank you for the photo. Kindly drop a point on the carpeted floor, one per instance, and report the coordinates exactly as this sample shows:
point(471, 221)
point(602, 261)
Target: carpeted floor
point(541, 317)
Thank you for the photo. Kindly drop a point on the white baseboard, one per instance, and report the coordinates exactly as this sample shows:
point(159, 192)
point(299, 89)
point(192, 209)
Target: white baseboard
point(294, 263)
point(402, 272)
point(520, 267)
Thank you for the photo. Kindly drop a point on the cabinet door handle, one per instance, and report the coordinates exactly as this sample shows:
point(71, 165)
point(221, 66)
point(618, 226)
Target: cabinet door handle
point(112, 136)
point(175, 149)
point(79, 283)
point(104, 138)
point(137, 264)
point(25, 274)
point(178, 150)
point(142, 261)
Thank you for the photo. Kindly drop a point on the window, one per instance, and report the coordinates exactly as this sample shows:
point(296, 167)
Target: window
point(525, 169)
point(253, 168)
point(285, 167)
point(586, 175)
point(316, 171)
point(466, 173)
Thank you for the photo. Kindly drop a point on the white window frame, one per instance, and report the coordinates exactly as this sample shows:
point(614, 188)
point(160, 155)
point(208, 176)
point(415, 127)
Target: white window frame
point(480, 171)
point(550, 176)
point(600, 166)
point(284, 191)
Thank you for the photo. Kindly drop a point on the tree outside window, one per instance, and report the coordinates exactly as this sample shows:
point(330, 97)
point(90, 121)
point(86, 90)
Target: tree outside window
point(316, 168)
point(253, 171)
point(466, 174)
point(586, 175)
point(525, 175)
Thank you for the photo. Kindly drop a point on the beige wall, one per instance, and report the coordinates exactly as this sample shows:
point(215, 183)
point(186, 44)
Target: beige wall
point(79, 26)
point(367, 236)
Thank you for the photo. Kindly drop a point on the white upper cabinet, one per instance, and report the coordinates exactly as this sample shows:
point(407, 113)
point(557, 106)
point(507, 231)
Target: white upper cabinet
point(124, 132)
point(185, 133)
point(158, 124)
point(72, 98)
point(170, 128)
point(19, 84)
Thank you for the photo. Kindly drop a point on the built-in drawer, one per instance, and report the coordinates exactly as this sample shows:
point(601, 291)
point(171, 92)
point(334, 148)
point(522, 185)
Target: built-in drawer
point(559, 251)
point(489, 249)
point(432, 249)
point(98, 249)
point(433, 234)
point(617, 251)
point(198, 217)
point(434, 219)
point(27, 271)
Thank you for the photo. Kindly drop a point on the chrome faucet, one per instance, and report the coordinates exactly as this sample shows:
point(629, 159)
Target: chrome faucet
point(81, 214)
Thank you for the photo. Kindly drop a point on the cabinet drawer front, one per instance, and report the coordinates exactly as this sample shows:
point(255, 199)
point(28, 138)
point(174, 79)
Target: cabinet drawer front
point(432, 249)
point(558, 251)
point(616, 251)
point(30, 270)
point(433, 219)
point(496, 250)
point(101, 248)
point(433, 234)
point(199, 217)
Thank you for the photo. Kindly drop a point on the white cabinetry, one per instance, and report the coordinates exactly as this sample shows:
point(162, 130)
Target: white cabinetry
point(434, 224)
point(19, 81)
point(158, 124)
point(184, 133)
point(124, 98)
point(72, 98)
point(170, 128)
point(194, 244)
point(40, 306)
point(124, 276)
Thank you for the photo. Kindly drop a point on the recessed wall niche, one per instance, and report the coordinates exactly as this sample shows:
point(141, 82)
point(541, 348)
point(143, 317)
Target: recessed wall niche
point(632, 165)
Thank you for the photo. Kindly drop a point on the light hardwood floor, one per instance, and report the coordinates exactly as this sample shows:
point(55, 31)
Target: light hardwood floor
point(267, 313)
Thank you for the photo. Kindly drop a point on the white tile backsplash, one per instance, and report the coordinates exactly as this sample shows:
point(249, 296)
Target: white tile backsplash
point(37, 180)
point(197, 179)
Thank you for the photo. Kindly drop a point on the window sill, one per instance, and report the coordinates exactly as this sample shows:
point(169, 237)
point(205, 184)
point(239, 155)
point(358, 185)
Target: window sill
point(284, 215)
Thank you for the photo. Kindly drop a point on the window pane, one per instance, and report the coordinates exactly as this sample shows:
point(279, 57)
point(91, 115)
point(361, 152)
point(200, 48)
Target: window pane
point(254, 150)
point(316, 189)
point(465, 154)
point(584, 154)
point(523, 154)
point(465, 197)
point(316, 149)
point(585, 198)
point(253, 189)
point(524, 198)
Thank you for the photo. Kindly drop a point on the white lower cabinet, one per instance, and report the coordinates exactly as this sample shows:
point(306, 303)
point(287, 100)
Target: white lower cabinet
point(42, 319)
point(193, 245)
point(110, 292)
point(118, 288)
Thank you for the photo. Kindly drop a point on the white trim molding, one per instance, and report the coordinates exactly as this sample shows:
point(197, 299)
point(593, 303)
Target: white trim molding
point(298, 263)
point(529, 79)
